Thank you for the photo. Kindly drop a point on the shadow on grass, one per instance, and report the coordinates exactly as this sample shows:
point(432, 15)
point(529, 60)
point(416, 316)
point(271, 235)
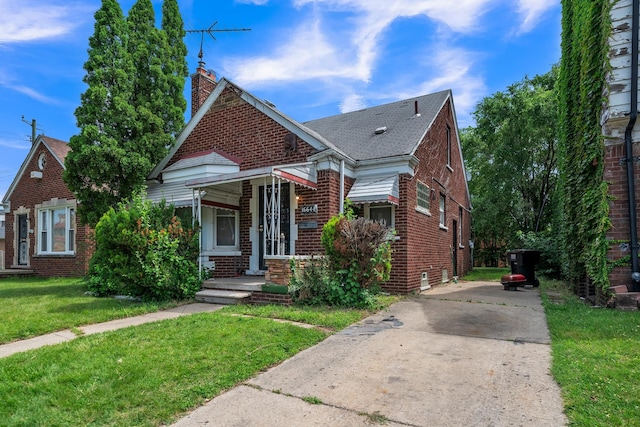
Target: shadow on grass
point(64, 291)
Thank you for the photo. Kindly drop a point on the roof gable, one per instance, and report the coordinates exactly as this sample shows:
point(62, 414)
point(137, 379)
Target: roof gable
point(315, 139)
point(58, 149)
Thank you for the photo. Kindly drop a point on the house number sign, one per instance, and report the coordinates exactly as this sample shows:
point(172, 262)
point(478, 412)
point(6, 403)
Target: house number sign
point(309, 209)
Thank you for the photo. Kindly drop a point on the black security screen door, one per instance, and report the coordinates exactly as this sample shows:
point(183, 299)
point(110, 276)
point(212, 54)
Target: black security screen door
point(23, 235)
point(284, 218)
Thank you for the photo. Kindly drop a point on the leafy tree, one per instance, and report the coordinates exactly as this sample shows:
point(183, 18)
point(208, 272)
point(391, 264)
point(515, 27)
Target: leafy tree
point(512, 157)
point(99, 168)
point(175, 67)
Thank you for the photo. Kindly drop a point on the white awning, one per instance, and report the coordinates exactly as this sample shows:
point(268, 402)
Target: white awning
point(375, 189)
point(300, 174)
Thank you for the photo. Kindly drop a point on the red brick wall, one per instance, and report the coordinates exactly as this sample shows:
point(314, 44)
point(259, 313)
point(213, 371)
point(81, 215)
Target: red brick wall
point(237, 128)
point(423, 246)
point(616, 174)
point(31, 191)
point(227, 266)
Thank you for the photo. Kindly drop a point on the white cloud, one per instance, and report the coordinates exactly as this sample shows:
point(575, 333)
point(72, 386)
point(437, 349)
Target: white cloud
point(531, 12)
point(308, 55)
point(32, 20)
point(14, 144)
point(352, 102)
point(30, 92)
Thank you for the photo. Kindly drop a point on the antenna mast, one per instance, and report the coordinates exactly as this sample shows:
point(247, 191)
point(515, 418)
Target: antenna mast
point(210, 31)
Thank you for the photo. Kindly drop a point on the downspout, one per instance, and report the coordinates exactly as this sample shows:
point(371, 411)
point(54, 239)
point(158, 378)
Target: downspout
point(633, 115)
point(341, 186)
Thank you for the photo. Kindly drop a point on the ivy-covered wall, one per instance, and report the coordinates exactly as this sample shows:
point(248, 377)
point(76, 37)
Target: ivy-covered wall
point(583, 209)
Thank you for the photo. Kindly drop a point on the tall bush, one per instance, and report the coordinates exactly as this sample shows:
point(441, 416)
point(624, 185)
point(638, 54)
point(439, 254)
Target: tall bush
point(143, 250)
point(357, 260)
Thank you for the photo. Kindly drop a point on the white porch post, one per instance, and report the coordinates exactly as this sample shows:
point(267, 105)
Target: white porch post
point(196, 212)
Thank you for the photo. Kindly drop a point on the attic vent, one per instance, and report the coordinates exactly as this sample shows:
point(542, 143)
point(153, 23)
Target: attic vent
point(381, 129)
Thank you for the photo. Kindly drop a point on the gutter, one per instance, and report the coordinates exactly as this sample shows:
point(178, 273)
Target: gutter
point(633, 115)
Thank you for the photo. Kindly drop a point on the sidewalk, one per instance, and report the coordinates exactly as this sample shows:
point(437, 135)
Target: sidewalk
point(467, 354)
point(67, 335)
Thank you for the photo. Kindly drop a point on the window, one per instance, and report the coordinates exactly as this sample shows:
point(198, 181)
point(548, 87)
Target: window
point(57, 229)
point(443, 217)
point(423, 198)
point(460, 227)
point(219, 229)
point(225, 227)
point(448, 146)
point(384, 213)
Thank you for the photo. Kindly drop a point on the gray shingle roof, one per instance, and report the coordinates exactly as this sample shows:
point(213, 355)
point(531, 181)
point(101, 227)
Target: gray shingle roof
point(354, 132)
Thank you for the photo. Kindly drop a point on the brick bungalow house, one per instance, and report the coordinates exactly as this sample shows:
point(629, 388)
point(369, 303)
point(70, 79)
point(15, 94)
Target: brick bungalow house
point(262, 185)
point(42, 232)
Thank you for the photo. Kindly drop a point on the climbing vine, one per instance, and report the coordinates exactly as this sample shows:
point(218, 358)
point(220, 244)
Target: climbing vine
point(583, 211)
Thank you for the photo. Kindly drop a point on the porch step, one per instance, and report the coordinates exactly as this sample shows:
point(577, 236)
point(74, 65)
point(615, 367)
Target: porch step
point(15, 272)
point(245, 284)
point(214, 296)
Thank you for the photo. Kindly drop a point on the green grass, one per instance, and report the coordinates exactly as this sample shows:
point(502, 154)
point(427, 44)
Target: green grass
point(596, 359)
point(54, 304)
point(325, 317)
point(145, 375)
point(150, 374)
point(486, 274)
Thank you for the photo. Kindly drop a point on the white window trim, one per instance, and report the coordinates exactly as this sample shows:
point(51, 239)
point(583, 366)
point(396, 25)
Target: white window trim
point(422, 209)
point(215, 249)
point(367, 212)
point(442, 210)
point(49, 207)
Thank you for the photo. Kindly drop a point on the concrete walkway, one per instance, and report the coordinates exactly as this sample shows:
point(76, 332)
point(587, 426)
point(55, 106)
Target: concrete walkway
point(67, 335)
point(467, 354)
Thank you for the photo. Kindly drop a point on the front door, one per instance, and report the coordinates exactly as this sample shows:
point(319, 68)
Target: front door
point(272, 218)
point(23, 243)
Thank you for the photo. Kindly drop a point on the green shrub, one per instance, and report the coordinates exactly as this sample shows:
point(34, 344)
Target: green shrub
point(357, 261)
point(142, 250)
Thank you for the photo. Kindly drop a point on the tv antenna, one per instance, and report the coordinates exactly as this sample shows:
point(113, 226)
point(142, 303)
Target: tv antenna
point(210, 31)
point(33, 129)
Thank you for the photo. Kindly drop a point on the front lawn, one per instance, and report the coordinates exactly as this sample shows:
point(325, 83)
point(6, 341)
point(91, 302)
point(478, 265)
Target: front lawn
point(596, 359)
point(35, 306)
point(145, 375)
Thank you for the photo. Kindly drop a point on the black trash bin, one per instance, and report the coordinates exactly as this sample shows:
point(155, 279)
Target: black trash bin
point(523, 261)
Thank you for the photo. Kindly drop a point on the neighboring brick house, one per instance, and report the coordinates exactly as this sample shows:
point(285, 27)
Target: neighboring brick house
point(2, 236)
point(262, 184)
point(620, 128)
point(42, 230)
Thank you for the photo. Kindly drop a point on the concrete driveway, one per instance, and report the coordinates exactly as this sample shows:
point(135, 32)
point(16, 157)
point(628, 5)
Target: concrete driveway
point(466, 354)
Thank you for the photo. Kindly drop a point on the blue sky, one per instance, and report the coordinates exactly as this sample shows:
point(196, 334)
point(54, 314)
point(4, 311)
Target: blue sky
point(311, 58)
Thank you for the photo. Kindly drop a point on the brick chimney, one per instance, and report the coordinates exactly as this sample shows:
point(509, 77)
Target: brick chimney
point(202, 84)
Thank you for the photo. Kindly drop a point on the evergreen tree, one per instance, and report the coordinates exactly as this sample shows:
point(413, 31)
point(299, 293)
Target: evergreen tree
point(133, 108)
point(147, 47)
point(175, 67)
point(98, 168)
